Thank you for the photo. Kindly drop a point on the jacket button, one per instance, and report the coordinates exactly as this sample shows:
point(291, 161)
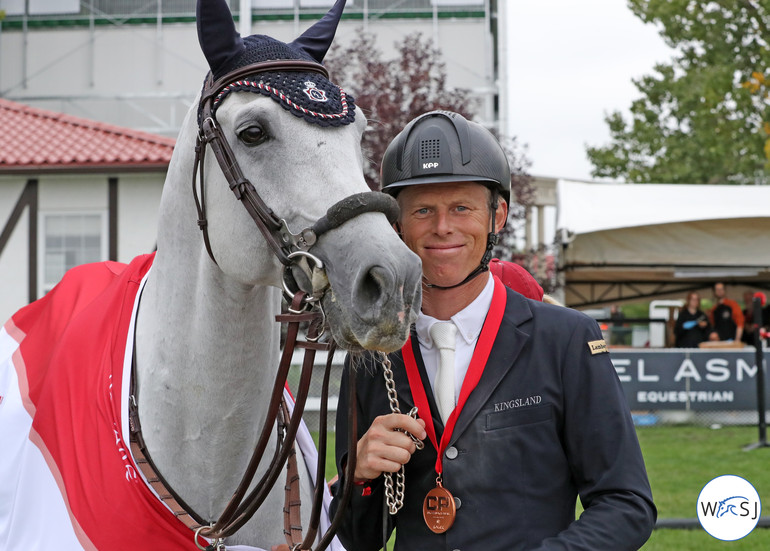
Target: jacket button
point(458, 503)
point(451, 452)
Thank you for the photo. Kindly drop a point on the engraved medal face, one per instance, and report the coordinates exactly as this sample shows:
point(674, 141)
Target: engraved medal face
point(438, 510)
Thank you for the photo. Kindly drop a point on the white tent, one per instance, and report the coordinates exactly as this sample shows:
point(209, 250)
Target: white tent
point(624, 242)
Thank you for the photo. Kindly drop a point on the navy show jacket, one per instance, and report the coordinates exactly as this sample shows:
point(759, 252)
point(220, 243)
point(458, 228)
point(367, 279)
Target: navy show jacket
point(547, 422)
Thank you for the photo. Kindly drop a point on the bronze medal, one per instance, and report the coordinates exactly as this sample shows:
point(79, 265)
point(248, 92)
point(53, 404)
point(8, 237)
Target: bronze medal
point(438, 509)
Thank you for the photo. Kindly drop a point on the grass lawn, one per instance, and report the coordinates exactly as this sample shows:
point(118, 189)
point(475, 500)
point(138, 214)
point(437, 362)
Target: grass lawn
point(680, 461)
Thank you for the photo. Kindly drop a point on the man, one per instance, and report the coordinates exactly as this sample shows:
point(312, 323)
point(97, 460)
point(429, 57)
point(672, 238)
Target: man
point(726, 317)
point(536, 415)
point(749, 327)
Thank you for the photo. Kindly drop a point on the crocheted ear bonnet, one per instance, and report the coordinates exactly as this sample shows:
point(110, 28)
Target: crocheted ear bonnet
point(305, 94)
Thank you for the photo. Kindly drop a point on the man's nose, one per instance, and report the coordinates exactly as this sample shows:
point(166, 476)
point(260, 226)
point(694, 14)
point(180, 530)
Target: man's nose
point(443, 223)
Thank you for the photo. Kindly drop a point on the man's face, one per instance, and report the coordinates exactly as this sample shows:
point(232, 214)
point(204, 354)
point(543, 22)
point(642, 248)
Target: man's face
point(719, 290)
point(447, 226)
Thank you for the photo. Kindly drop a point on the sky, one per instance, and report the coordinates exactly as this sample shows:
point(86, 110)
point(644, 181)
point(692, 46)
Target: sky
point(571, 62)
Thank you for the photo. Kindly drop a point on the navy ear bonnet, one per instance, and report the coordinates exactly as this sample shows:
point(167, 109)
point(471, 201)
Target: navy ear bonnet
point(308, 95)
point(305, 94)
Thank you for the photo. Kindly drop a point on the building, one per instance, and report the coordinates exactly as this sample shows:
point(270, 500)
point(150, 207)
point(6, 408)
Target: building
point(72, 191)
point(137, 63)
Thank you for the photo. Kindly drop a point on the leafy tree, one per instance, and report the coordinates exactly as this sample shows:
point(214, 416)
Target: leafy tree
point(703, 117)
point(392, 92)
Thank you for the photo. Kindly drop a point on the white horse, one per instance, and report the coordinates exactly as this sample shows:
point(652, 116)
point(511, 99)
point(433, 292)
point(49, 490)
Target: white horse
point(207, 344)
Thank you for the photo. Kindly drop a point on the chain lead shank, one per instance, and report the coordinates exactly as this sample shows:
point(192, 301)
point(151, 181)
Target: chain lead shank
point(395, 496)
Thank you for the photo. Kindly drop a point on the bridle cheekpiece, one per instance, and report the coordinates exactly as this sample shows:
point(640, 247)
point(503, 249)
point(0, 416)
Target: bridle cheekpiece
point(291, 249)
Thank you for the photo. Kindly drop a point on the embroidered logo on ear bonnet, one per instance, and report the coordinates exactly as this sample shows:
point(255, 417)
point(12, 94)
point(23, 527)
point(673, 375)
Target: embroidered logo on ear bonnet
point(314, 93)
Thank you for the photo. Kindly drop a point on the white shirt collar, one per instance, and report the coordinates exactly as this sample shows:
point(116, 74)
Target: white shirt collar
point(469, 320)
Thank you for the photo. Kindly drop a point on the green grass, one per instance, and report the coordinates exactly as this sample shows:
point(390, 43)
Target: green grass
point(680, 461)
point(698, 540)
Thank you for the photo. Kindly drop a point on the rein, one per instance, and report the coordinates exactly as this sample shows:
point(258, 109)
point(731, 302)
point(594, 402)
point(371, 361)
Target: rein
point(241, 506)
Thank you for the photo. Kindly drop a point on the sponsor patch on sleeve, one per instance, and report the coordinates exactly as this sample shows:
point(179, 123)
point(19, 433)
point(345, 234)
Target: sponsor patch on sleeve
point(597, 347)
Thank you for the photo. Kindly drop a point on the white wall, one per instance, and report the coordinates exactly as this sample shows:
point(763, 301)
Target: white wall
point(138, 203)
point(62, 193)
point(14, 269)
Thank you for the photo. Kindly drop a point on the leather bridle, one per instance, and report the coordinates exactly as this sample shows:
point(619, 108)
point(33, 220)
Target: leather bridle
point(292, 250)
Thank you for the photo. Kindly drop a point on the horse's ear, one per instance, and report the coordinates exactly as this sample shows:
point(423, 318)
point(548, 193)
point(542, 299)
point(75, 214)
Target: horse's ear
point(317, 39)
point(218, 38)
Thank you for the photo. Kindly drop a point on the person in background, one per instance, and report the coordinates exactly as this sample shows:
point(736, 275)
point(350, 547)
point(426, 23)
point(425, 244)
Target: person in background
point(692, 326)
point(749, 327)
point(519, 406)
point(726, 317)
point(617, 323)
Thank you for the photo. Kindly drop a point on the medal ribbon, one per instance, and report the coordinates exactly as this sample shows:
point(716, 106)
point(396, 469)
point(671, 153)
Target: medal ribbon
point(475, 369)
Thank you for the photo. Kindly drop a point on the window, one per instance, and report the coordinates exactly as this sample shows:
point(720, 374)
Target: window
point(70, 240)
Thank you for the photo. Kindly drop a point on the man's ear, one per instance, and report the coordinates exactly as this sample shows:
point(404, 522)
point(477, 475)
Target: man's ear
point(501, 214)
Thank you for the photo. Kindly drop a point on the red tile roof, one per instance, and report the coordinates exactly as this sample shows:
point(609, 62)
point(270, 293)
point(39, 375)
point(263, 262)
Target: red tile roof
point(35, 140)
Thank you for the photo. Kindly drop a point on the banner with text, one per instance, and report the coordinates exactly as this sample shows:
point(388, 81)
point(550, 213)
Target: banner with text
point(688, 379)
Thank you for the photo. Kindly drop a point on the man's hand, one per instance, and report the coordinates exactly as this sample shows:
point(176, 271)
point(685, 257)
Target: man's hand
point(385, 449)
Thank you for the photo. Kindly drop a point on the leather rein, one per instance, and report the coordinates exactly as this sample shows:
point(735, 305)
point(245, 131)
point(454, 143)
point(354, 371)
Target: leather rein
point(304, 307)
point(243, 506)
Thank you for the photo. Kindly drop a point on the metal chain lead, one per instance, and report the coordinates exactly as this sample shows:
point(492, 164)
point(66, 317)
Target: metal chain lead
point(395, 497)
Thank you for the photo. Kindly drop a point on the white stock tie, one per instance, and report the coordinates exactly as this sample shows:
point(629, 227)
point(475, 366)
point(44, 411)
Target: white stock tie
point(443, 335)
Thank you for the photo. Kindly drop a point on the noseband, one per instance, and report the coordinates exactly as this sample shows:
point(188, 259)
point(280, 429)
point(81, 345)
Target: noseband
point(291, 249)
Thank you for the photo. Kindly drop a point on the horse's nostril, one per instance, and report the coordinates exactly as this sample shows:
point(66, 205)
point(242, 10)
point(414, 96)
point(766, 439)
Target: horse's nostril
point(371, 286)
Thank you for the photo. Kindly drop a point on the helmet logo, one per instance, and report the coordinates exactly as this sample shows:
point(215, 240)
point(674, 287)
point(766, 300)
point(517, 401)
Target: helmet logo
point(429, 165)
point(315, 94)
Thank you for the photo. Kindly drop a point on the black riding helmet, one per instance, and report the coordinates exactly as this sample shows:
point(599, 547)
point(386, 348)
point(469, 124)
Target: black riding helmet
point(444, 147)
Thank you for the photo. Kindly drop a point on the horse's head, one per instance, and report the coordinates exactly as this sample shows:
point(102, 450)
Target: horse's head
point(286, 141)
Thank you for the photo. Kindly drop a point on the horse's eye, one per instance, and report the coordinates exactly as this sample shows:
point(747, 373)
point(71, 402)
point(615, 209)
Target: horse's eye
point(252, 135)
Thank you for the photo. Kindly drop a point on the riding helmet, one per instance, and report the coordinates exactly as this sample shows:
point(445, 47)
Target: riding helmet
point(444, 147)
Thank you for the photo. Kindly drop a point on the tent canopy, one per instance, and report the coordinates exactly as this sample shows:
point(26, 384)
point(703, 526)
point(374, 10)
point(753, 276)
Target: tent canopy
point(628, 242)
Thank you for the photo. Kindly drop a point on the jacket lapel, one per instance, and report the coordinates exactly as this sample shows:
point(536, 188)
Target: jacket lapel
point(509, 342)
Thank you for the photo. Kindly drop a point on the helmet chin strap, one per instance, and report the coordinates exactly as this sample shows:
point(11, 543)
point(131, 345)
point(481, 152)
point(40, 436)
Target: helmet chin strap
point(492, 239)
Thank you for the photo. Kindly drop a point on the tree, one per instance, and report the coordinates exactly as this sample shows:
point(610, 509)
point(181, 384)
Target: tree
point(393, 92)
point(702, 118)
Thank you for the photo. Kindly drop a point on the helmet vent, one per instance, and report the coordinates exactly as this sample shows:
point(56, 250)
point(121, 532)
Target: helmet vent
point(430, 149)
